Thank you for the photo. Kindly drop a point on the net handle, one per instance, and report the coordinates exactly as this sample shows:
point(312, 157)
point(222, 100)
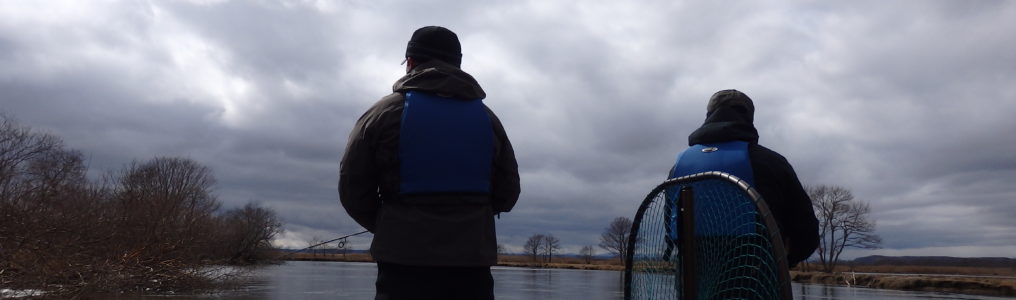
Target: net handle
point(689, 263)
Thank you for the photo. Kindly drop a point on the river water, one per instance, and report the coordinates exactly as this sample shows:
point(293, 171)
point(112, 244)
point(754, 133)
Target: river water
point(341, 280)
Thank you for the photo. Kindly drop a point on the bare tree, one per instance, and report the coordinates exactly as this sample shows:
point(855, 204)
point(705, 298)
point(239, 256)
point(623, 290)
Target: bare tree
point(843, 223)
point(501, 250)
point(51, 219)
point(151, 226)
point(587, 253)
point(614, 238)
point(22, 150)
point(249, 232)
point(549, 245)
point(532, 246)
point(166, 206)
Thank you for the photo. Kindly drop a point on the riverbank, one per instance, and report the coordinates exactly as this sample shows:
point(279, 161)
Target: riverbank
point(958, 284)
point(517, 261)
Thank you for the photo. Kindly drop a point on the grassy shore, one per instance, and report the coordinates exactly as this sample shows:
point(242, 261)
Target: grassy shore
point(914, 278)
point(988, 286)
point(907, 269)
point(520, 261)
point(349, 257)
point(574, 263)
point(988, 281)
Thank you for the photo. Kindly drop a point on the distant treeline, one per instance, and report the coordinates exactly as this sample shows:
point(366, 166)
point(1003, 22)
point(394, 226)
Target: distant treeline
point(151, 226)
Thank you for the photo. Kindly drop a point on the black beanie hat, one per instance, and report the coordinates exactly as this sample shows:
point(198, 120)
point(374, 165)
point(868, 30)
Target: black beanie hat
point(730, 98)
point(734, 99)
point(435, 42)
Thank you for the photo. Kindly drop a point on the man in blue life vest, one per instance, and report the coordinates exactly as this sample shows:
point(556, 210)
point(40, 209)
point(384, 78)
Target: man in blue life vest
point(729, 131)
point(426, 169)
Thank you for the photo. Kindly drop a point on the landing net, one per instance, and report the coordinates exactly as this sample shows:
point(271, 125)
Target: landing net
point(734, 253)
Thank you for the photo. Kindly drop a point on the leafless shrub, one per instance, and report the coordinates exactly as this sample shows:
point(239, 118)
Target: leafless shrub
point(143, 229)
point(48, 210)
point(248, 233)
point(164, 210)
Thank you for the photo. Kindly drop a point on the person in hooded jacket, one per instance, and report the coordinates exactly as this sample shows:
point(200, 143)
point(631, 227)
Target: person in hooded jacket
point(425, 170)
point(730, 117)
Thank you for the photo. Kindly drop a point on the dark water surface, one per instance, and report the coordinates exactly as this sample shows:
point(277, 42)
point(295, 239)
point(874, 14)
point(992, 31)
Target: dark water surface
point(339, 280)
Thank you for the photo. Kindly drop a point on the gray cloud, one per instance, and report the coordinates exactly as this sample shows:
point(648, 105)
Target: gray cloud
point(907, 103)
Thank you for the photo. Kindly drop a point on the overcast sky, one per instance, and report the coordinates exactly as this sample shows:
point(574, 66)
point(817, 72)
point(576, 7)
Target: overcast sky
point(909, 104)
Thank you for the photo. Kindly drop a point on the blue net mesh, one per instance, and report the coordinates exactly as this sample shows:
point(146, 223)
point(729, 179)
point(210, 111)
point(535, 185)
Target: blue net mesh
point(734, 244)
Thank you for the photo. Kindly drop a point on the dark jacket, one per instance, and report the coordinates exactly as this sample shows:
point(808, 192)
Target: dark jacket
point(775, 180)
point(433, 230)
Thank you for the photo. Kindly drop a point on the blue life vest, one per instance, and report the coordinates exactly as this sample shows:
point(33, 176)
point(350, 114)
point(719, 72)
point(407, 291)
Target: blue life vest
point(446, 145)
point(728, 157)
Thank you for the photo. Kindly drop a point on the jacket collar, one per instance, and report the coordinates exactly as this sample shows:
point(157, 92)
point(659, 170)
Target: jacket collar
point(440, 78)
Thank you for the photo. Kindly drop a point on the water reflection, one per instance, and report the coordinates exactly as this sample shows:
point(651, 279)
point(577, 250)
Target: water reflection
point(334, 280)
point(519, 283)
point(815, 291)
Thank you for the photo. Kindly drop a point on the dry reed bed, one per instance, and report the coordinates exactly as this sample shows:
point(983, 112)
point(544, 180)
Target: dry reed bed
point(911, 269)
point(950, 284)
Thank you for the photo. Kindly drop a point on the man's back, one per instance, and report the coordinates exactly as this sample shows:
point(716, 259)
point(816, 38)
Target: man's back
point(425, 169)
point(442, 227)
point(730, 117)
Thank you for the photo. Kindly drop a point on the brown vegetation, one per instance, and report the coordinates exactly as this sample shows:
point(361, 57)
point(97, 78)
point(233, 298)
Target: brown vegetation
point(579, 263)
point(991, 281)
point(153, 226)
point(348, 257)
point(949, 284)
point(907, 269)
point(521, 261)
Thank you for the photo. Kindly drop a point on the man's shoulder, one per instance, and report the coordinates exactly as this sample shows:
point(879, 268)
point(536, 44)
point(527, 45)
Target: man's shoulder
point(387, 104)
point(390, 100)
point(760, 148)
point(765, 155)
point(382, 112)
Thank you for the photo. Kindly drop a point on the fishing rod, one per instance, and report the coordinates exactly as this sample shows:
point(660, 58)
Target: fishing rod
point(322, 243)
